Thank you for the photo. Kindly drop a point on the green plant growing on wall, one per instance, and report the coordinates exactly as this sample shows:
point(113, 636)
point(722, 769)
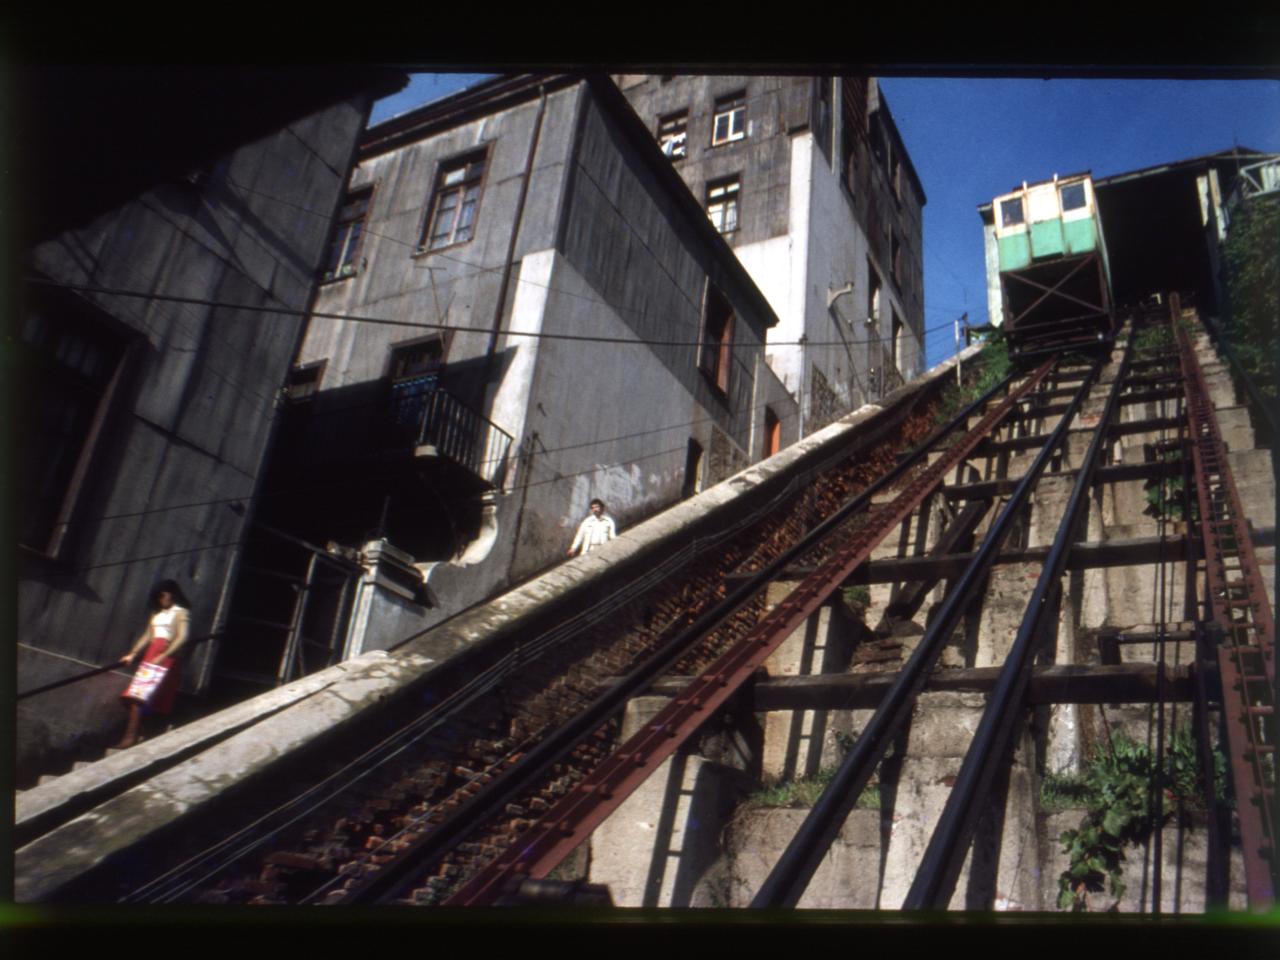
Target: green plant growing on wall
point(992, 366)
point(805, 791)
point(856, 598)
point(1152, 341)
point(1115, 789)
point(1165, 496)
point(1252, 261)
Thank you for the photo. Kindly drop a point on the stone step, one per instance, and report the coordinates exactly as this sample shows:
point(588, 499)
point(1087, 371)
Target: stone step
point(47, 778)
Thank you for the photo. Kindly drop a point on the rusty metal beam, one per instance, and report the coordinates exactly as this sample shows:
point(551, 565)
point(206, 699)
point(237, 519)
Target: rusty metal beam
point(1152, 425)
point(554, 836)
point(1121, 473)
point(1125, 683)
point(1084, 556)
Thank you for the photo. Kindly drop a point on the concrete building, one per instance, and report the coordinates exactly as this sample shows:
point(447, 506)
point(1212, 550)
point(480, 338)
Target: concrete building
point(162, 306)
point(523, 309)
point(808, 180)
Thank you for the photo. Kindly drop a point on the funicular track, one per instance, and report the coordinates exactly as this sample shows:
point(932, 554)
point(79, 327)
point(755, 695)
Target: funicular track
point(496, 805)
point(1238, 608)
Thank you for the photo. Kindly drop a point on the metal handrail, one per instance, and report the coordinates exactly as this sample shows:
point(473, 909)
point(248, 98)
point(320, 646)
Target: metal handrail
point(113, 665)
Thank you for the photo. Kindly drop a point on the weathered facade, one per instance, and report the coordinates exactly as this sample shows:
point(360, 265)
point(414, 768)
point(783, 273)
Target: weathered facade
point(154, 338)
point(808, 180)
point(524, 309)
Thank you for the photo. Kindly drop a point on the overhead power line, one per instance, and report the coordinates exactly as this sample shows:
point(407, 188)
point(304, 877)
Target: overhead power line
point(426, 325)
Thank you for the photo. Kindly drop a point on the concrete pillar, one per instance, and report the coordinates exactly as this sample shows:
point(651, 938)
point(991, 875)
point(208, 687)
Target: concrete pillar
point(797, 743)
point(664, 838)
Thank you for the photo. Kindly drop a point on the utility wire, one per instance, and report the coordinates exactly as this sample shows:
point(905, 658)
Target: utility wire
point(423, 325)
point(488, 462)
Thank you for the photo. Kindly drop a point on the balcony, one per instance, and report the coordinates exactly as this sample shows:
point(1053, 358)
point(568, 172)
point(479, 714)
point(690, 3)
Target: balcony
point(437, 425)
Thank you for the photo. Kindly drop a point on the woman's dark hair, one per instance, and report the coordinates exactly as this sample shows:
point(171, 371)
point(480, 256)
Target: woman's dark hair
point(170, 587)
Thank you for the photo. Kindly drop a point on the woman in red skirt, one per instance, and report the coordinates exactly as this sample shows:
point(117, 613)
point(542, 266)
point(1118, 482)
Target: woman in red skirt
point(155, 684)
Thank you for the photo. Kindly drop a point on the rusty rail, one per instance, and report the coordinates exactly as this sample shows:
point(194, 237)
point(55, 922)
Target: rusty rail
point(1239, 612)
point(552, 837)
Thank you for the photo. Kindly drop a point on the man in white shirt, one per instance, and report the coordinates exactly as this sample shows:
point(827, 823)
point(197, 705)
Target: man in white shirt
point(597, 528)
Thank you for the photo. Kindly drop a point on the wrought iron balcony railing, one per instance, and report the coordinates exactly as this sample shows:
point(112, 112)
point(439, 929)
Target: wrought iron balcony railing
point(436, 423)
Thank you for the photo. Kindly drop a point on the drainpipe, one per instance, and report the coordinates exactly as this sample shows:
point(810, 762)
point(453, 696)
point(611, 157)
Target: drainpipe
point(492, 350)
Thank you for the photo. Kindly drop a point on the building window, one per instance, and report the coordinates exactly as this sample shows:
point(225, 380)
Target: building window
point(722, 204)
point(692, 470)
point(348, 234)
point(895, 259)
point(772, 433)
point(415, 373)
point(895, 175)
point(303, 381)
point(896, 341)
point(823, 122)
point(453, 204)
point(1011, 212)
point(873, 294)
point(716, 353)
point(673, 132)
point(72, 362)
point(730, 122)
point(1073, 196)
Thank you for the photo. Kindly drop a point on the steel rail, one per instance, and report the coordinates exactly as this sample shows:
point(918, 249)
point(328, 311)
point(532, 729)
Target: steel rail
point(553, 836)
point(389, 882)
point(789, 877)
point(1241, 616)
point(944, 856)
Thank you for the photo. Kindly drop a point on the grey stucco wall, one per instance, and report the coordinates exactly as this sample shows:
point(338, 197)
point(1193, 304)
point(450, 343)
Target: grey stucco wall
point(168, 492)
point(395, 282)
point(627, 237)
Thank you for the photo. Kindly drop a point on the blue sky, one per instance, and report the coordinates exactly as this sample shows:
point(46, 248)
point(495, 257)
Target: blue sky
point(973, 139)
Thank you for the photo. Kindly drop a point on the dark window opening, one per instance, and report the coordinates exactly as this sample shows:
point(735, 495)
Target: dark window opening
point(348, 235)
point(692, 470)
point(1073, 196)
point(772, 432)
point(716, 354)
point(303, 381)
point(823, 121)
point(896, 341)
point(873, 294)
point(454, 201)
point(416, 370)
point(1011, 212)
point(71, 360)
